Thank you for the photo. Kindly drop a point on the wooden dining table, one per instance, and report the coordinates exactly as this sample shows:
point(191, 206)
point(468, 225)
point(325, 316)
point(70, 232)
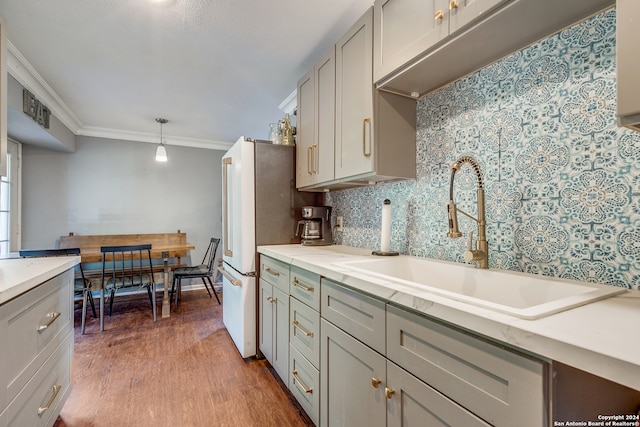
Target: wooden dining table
point(158, 251)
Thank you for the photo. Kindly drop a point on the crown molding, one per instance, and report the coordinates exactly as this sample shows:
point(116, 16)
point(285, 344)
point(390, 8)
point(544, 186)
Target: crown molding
point(152, 138)
point(29, 78)
point(290, 103)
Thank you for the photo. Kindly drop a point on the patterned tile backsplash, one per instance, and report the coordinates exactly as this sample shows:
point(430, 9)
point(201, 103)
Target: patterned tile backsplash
point(562, 181)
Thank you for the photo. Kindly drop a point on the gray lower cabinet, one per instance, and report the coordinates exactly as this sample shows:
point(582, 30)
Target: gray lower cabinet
point(274, 327)
point(304, 338)
point(354, 359)
point(412, 402)
point(274, 313)
point(501, 386)
point(304, 383)
point(359, 315)
point(352, 381)
point(377, 355)
point(36, 350)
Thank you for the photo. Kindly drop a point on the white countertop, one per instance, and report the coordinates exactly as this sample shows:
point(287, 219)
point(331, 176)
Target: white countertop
point(19, 275)
point(600, 337)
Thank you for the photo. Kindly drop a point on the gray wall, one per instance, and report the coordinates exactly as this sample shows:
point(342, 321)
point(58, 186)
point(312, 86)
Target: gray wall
point(116, 187)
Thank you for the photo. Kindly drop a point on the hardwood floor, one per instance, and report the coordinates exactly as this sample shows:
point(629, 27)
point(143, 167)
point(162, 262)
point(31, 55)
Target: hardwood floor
point(182, 371)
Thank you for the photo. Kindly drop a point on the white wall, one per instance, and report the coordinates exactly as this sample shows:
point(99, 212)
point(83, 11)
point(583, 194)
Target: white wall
point(116, 187)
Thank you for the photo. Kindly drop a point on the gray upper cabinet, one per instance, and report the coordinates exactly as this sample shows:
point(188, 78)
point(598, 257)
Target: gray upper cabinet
point(305, 143)
point(375, 132)
point(316, 117)
point(628, 33)
point(422, 45)
point(350, 134)
point(406, 28)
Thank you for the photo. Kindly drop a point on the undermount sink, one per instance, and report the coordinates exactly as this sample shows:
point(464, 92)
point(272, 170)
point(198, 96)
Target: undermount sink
point(517, 294)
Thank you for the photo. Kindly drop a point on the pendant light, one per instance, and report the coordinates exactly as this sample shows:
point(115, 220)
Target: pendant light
point(161, 152)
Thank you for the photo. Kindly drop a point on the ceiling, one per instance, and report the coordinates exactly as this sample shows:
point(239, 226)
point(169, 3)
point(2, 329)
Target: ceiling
point(216, 69)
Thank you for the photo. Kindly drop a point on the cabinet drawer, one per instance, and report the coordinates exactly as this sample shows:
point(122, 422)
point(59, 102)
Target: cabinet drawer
point(275, 272)
point(304, 331)
point(304, 383)
point(359, 315)
point(34, 323)
point(414, 401)
point(40, 402)
point(305, 286)
point(501, 386)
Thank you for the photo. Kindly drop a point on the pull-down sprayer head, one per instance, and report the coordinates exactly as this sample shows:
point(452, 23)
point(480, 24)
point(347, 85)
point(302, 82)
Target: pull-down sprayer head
point(481, 253)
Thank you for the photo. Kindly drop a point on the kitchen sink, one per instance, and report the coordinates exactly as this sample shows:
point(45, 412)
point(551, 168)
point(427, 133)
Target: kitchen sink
point(521, 295)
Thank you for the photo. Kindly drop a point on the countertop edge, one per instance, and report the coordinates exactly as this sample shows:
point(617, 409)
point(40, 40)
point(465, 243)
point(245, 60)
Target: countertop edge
point(561, 337)
point(34, 272)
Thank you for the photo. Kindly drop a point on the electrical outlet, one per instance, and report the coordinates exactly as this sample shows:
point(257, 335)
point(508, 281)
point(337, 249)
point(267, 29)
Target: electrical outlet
point(339, 223)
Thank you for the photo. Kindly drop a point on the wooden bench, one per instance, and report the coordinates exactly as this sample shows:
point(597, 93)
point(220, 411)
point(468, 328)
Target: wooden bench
point(173, 246)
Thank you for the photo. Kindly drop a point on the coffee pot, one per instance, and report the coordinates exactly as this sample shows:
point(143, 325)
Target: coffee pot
point(315, 226)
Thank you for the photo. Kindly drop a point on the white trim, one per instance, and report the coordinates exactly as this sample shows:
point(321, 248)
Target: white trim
point(28, 77)
point(152, 138)
point(290, 102)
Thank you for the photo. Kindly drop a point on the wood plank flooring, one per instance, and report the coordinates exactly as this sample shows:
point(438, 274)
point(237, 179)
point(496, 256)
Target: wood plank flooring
point(182, 371)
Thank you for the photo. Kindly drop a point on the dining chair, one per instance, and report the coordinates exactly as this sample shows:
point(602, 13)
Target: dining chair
point(81, 285)
point(203, 271)
point(126, 266)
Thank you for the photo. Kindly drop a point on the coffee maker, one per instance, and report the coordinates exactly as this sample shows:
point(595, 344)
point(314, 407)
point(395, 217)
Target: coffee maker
point(316, 226)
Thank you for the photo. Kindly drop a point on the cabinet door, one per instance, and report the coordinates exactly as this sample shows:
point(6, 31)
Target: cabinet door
point(404, 29)
point(325, 94)
point(349, 370)
point(280, 362)
point(501, 386)
point(305, 130)
point(466, 12)
point(266, 322)
point(413, 403)
point(354, 100)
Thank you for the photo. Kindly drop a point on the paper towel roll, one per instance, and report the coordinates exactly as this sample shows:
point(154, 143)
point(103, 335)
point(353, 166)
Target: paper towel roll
point(385, 228)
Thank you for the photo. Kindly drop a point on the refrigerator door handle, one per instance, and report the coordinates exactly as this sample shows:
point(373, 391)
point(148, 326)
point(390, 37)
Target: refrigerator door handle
point(226, 162)
point(229, 277)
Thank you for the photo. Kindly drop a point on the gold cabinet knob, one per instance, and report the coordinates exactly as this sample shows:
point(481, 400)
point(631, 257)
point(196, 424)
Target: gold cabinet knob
point(453, 4)
point(375, 382)
point(388, 392)
point(439, 16)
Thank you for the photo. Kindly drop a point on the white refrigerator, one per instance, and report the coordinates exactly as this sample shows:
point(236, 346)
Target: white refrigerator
point(260, 207)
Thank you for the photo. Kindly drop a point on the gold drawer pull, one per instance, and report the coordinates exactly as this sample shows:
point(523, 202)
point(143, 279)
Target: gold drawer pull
point(453, 4)
point(56, 389)
point(388, 392)
point(375, 382)
point(300, 383)
point(439, 16)
point(296, 324)
point(271, 272)
point(52, 318)
point(271, 299)
point(297, 284)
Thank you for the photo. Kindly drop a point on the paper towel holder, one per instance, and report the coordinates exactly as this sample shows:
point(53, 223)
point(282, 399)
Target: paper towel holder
point(385, 231)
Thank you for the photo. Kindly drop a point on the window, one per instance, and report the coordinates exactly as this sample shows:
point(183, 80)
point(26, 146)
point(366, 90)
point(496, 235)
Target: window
point(10, 201)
